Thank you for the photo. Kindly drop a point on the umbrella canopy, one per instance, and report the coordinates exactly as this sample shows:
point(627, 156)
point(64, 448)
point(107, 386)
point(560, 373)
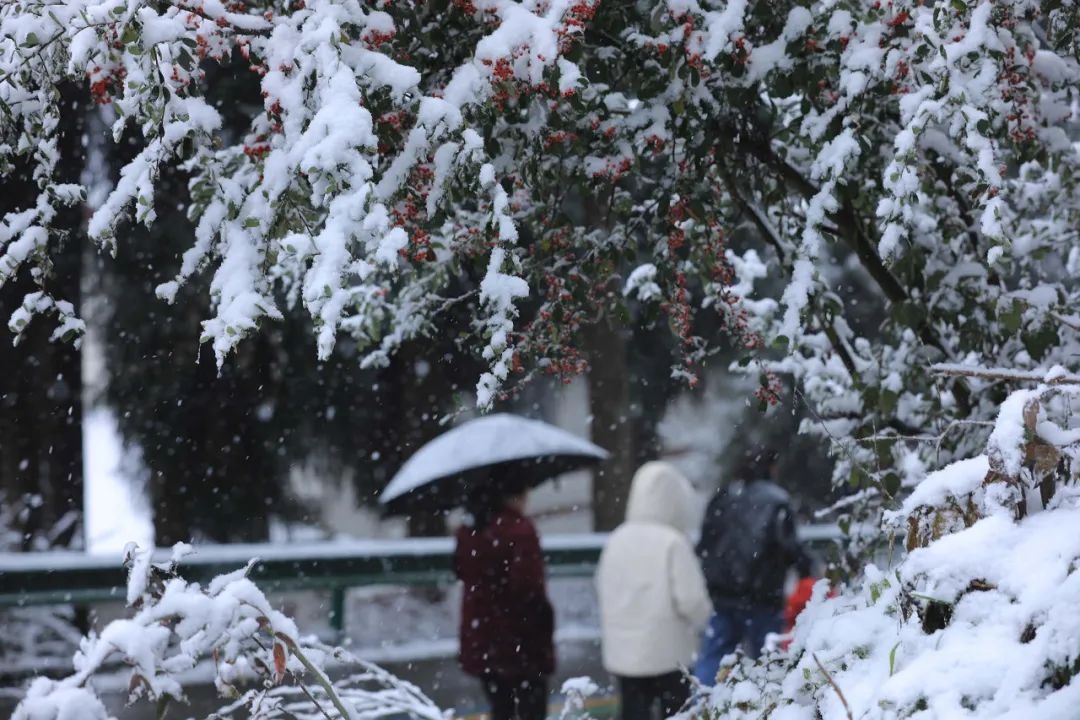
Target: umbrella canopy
point(493, 448)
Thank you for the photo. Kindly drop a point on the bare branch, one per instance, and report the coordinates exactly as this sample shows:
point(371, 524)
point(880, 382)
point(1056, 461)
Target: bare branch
point(1070, 321)
point(835, 687)
point(1048, 377)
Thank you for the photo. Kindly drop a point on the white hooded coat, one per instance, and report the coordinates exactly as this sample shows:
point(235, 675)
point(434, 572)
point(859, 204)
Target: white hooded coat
point(653, 599)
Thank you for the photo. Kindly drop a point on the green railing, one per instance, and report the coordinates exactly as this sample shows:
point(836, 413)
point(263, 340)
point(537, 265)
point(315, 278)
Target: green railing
point(78, 578)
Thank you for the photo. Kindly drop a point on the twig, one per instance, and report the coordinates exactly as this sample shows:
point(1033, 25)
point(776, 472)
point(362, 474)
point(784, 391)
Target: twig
point(301, 685)
point(835, 687)
point(314, 701)
point(1067, 321)
point(1005, 374)
point(320, 677)
point(824, 426)
point(448, 303)
point(847, 501)
point(897, 437)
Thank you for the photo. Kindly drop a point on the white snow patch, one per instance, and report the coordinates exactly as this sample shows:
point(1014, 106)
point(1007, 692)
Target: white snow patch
point(116, 512)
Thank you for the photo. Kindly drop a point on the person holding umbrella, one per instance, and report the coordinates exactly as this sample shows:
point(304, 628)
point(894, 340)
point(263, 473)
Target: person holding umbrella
point(507, 621)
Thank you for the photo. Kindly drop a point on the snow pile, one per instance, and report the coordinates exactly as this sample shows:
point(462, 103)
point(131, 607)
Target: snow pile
point(577, 691)
point(980, 620)
point(177, 624)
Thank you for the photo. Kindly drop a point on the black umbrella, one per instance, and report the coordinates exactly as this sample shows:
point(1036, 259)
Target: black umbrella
point(495, 448)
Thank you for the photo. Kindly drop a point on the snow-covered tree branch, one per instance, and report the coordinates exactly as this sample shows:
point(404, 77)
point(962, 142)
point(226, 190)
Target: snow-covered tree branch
point(176, 625)
point(848, 192)
point(330, 195)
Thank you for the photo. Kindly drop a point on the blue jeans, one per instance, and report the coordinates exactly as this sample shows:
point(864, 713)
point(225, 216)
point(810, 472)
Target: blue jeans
point(730, 627)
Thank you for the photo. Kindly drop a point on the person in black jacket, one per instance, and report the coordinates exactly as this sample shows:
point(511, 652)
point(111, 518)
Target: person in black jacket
point(748, 543)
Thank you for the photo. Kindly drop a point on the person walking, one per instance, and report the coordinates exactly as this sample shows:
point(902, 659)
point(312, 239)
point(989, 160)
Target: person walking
point(653, 599)
point(507, 622)
point(748, 543)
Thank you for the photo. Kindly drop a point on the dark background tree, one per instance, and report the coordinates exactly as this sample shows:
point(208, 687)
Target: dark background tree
point(219, 446)
point(41, 379)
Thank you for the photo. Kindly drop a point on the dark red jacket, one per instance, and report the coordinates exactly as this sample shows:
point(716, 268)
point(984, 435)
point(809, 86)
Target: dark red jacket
point(507, 622)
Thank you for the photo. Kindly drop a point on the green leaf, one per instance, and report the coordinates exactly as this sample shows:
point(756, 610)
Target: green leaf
point(910, 314)
point(1010, 318)
point(251, 222)
point(887, 402)
point(891, 484)
point(31, 40)
point(1037, 343)
point(892, 658)
point(663, 205)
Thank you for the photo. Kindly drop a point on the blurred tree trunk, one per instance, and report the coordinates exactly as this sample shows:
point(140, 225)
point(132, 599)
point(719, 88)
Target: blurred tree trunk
point(213, 474)
point(612, 429)
point(41, 460)
point(605, 345)
point(419, 382)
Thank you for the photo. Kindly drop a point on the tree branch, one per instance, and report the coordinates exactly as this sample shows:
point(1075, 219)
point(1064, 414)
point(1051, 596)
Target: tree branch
point(773, 238)
point(1045, 377)
point(835, 687)
point(865, 249)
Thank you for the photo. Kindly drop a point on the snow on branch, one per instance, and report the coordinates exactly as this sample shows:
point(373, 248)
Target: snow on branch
point(1056, 375)
point(973, 621)
point(316, 200)
point(176, 625)
point(557, 150)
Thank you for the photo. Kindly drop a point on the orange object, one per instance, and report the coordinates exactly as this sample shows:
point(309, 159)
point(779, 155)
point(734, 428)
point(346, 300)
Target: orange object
point(796, 602)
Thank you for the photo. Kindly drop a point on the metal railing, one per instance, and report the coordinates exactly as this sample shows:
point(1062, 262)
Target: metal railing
point(78, 578)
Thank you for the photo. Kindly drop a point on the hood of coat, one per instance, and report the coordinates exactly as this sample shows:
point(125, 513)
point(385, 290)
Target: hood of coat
point(660, 494)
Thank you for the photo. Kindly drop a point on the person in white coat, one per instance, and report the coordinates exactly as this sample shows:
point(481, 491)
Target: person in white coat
point(653, 600)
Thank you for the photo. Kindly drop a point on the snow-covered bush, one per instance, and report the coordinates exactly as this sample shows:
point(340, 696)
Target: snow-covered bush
point(231, 625)
point(978, 620)
point(576, 692)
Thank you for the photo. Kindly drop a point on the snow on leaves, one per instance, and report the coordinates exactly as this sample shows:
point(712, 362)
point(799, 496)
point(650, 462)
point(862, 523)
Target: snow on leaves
point(533, 155)
point(318, 202)
point(230, 624)
point(974, 621)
